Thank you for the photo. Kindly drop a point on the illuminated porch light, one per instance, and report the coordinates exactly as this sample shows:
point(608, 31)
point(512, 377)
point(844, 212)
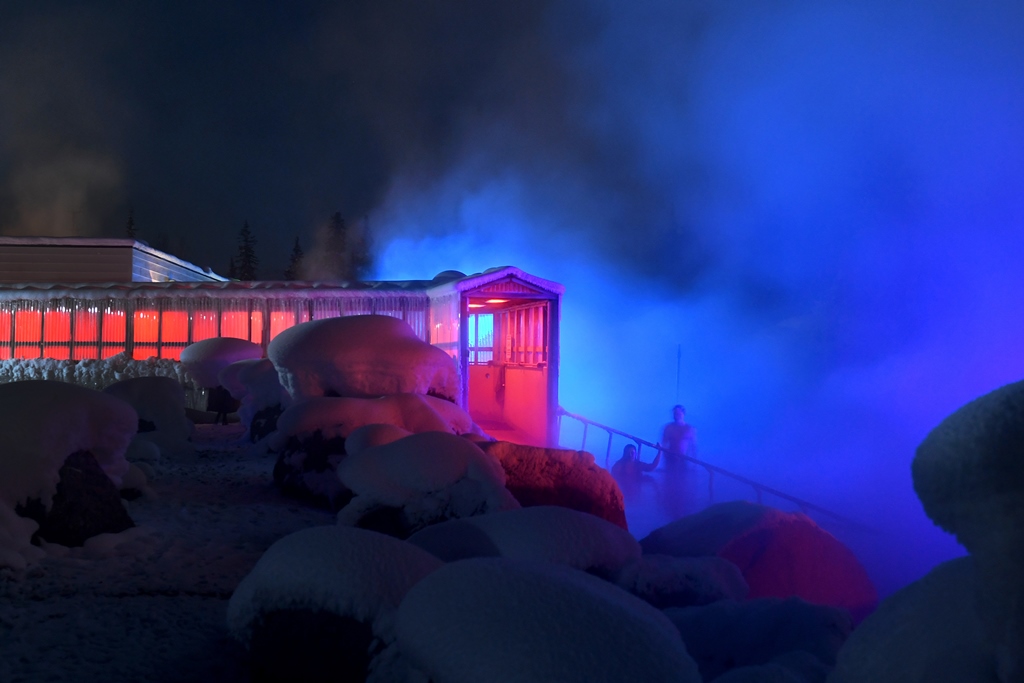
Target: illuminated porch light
point(495, 301)
point(476, 305)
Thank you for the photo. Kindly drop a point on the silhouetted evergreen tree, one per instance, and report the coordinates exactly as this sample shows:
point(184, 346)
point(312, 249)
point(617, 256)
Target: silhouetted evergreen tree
point(360, 259)
point(247, 260)
point(232, 269)
point(130, 227)
point(294, 262)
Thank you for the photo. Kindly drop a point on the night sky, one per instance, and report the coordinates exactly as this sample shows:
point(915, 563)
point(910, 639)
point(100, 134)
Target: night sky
point(805, 220)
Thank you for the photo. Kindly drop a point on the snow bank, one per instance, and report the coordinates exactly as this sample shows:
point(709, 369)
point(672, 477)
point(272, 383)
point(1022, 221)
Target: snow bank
point(781, 554)
point(341, 416)
point(543, 534)
point(665, 581)
point(369, 436)
point(41, 424)
point(204, 360)
point(90, 373)
point(727, 634)
point(927, 631)
point(499, 620)
point(361, 356)
point(425, 478)
point(349, 572)
point(556, 476)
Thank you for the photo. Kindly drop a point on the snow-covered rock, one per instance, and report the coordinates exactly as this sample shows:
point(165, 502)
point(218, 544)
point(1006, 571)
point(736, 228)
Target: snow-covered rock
point(361, 356)
point(204, 360)
point(556, 476)
point(781, 554)
point(317, 598)
point(160, 404)
point(255, 384)
point(969, 474)
point(369, 436)
point(501, 620)
point(41, 424)
point(927, 632)
point(728, 634)
point(544, 534)
point(423, 479)
point(665, 581)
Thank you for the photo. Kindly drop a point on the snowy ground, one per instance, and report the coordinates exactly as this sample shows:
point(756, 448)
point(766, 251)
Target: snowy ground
point(150, 603)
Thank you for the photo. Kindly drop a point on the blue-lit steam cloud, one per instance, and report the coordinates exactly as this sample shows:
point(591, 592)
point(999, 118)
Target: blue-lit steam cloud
point(821, 206)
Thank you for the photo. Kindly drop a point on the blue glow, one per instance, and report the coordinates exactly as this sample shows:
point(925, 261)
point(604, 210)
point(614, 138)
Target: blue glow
point(821, 206)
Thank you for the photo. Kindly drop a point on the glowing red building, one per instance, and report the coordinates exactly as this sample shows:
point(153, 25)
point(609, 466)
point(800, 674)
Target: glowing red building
point(82, 298)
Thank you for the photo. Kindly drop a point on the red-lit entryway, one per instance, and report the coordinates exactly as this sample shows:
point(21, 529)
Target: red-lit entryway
point(510, 357)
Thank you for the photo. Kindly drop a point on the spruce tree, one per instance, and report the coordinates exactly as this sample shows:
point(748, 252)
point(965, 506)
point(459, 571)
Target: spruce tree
point(130, 227)
point(232, 269)
point(294, 263)
point(247, 260)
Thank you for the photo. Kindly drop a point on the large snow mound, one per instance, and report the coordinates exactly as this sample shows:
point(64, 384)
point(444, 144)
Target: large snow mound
point(41, 423)
point(349, 572)
point(781, 554)
point(255, 384)
point(500, 620)
point(544, 534)
point(556, 476)
point(927, 632)
point(430, 477)
point(361, 356)
point(205, 359)
point(666, 581)
point(341, 416)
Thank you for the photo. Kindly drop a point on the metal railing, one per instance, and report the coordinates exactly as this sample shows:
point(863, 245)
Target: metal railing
point(759, 488)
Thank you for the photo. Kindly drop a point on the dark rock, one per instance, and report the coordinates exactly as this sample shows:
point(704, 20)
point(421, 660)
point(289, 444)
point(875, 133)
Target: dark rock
point(264, 422)
point(87, 503)
point(303, 645)
point(146, 426)
point(307, 470)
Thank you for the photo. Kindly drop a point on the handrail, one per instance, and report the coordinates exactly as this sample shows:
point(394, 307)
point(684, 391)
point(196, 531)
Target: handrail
point(758, 487)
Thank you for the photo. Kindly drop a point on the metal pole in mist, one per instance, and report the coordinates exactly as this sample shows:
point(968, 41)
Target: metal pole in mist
point(679, 368)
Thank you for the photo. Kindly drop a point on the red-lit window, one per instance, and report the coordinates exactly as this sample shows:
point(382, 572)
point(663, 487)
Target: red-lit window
point(174, 327)
point(234, 324)
point(80, 352)
point(280, 321)
point(147, 328)
point(143, 352)
point(256, 334)
point(87, 327)
point(57, 328)
point(171, 352)
point(108, 350)
point(5, 352)
point(28, 327)
point(204, 325)
point(31, 351)
point(114, 327)
point(5, 329)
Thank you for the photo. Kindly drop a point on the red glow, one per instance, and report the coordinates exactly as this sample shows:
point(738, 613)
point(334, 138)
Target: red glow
point(109, 351)
point(204, 325)
point(147, 327)
point(87, 326)
point(172, 352)
point(57, 352)
point(5, 328)
point(257, 327)
point(57, 328)
point(5, 352)
point(28, 327)
point(144, 352)
point(174, 327)
point(83, 352)
point(114, 327)
point(26, 352)
point(280, 321)
point(235, 324)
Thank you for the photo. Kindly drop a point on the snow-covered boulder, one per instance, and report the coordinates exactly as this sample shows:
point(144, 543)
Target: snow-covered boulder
point(160, 403)
point(369, 436)
point(312, 437)
point(41, 424)
point(204, 360)
point(556, 476)
point(927, 632)
point(501, 620)
point(727, 634)
point(969, 474)
point(361, 356)
point(666, 581)
point(255, 384)
point(316, 600)
point(781, 554)
point(423, 479)
point(547, 534)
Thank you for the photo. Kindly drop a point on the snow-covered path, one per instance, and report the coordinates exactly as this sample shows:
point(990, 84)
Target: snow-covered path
point(149, 604)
